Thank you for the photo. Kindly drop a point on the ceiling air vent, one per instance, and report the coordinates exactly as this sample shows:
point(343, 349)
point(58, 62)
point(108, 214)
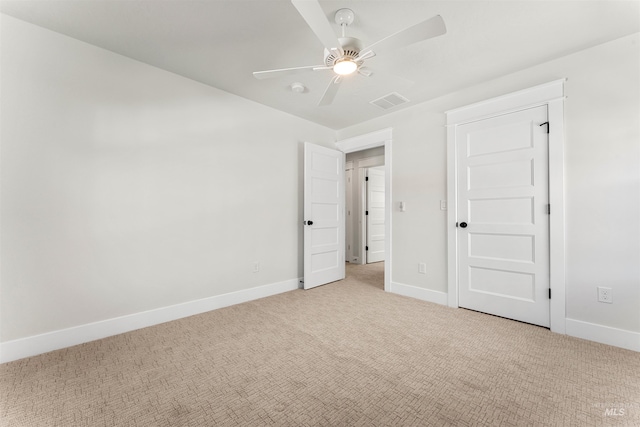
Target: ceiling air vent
point(389, 101)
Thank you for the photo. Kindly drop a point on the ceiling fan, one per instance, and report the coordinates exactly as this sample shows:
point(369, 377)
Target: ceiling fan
point(347, 55)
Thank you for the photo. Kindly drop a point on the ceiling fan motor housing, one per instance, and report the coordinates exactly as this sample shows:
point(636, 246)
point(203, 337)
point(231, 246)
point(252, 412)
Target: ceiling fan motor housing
point(351, 47)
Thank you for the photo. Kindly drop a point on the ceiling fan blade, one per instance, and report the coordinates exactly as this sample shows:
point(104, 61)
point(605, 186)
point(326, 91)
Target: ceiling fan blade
point(424, 30)
point(317, 21)
point(365, 54)
point(285, 71)
point(330, 92)
point(364, 71)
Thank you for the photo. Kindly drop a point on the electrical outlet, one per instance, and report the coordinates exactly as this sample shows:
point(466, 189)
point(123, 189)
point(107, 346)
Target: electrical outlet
point(443, 205)
point(605, 295)
point(422, 268)
point(256, 267)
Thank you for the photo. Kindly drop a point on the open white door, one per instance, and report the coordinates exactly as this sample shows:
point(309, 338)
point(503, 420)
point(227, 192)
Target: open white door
point(324, 222)
point(375, 212)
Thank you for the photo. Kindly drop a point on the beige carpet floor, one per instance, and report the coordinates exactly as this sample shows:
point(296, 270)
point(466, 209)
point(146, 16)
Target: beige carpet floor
point(344, 354)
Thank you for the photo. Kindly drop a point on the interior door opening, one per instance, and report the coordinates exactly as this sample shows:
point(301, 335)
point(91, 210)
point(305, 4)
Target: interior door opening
point(551, 95)
point(366, 151)
point(365, 214)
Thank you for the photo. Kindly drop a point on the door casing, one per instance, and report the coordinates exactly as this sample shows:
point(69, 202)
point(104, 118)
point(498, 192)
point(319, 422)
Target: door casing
point(551, 95)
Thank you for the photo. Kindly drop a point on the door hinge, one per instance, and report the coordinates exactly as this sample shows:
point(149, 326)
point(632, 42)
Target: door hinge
point(548, 126)
point(366, 248)
point(549, 293)
point(366, 178)
point(549, 209)
point(366, 212)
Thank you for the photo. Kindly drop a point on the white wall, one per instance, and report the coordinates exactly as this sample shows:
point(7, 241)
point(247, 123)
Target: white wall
point(126, 188)
point(602, 169)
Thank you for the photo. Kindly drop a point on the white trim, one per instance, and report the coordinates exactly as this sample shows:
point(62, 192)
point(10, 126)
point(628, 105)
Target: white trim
point(557, 260)
point(452, 209)
point(551, 95)
point(515, 101)
point(388, 213)
point(55, 340)
point(364, 142)
point(604, 334)
point(509, 111)
point(381, 138)
point(423, 294)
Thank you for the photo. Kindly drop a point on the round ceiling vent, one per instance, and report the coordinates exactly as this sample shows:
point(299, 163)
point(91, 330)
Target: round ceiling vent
point(297, 87)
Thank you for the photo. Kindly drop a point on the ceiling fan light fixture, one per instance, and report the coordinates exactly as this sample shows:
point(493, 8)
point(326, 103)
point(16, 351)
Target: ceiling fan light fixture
point(345, 67)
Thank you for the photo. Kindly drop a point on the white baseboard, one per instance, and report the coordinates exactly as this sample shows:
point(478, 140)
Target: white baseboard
point(55, 340)
point(419, 293)
point(589, 331)
point(604, 334)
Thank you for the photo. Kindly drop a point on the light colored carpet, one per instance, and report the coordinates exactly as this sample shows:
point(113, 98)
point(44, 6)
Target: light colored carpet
point(344, 354)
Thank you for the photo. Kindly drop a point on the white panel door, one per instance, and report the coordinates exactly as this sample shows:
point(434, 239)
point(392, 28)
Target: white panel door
point(503, 221)
point(323, 215)
point(375, 215)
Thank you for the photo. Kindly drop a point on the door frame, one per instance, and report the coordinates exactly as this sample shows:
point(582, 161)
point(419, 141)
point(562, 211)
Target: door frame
point(552, 95)
point(380, 138)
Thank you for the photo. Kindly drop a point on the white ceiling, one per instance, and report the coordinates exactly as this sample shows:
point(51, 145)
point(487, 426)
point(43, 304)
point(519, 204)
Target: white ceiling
point(221, 42)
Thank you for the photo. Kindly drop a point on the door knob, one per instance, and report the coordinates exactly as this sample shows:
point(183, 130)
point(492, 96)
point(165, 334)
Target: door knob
point(309, 222)
point(463, 225)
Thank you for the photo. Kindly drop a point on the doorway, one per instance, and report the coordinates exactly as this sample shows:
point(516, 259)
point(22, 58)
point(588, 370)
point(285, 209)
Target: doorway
point(503, 218)
point(365, 206)
point(551, 96)
point(382, 141)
